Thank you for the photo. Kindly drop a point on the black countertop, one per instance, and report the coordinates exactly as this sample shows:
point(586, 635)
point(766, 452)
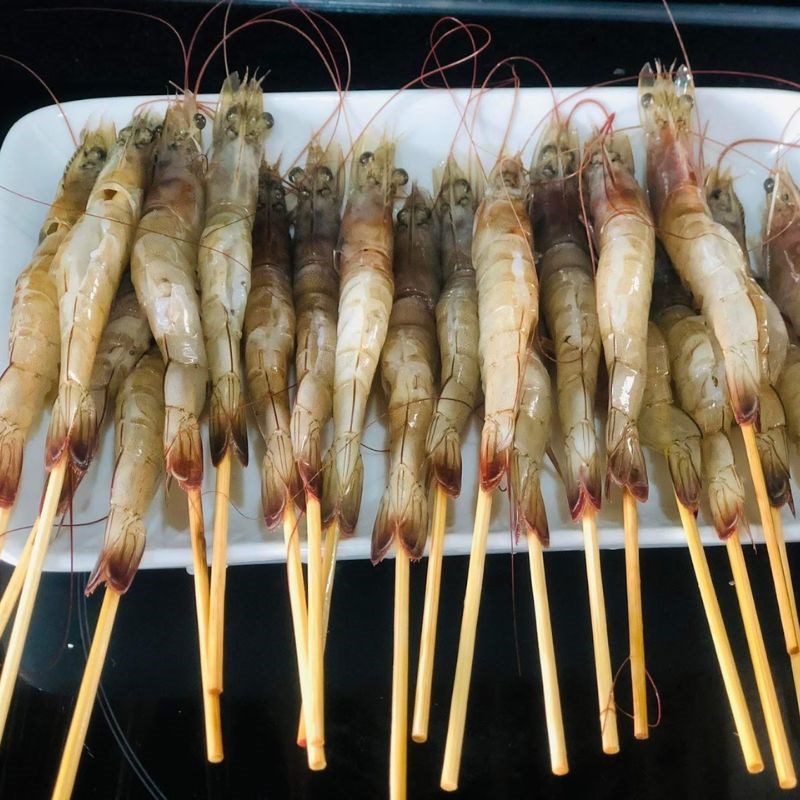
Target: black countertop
point(151, 677)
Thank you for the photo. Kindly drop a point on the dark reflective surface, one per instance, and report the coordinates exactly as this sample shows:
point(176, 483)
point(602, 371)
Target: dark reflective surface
point(151, 677)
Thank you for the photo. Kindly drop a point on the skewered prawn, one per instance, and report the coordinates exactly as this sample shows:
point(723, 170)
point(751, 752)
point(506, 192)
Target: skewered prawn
point(225, 257)
point(568, 306)
point(698, 375)
point(34, 336)
point(365, 302)
point(705, 254)
point(623, 230)
point(139, 463)
point(788, 388)
point(269, 325)
point(409, 371)
point(667, 429)
point(316, 230)
point(508, 308)
point(457, 327)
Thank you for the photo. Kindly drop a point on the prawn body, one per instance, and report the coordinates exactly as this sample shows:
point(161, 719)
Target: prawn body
point(623, 230)
point(164, 272)
point(316, 296)
point(409, 372)
point(705, 254)
point(34, 336)
point(87, 270)
point(365, 302)
point(224, 262)
point(568, 307)
point(138, 467)
point(269, 326)
point(508, 309)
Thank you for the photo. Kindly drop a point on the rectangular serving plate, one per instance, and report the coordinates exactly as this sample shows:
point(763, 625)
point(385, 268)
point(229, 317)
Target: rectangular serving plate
point(425, 126)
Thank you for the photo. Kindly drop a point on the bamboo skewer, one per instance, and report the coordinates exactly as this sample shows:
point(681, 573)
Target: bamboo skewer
point(547, 659)
point(81, 715)
point(5, 515)
point(219, 565)
point(466, 644)
point(8, 602)
point(211, 709)
point(779, 569)
point(315, 694)
point(766, 687)
point(602, 655)
point(427, 646)
point(635, 624)
point(398, 749)
point(297, 603)
point(329, 573)
point(27, 599)
point(716, 624)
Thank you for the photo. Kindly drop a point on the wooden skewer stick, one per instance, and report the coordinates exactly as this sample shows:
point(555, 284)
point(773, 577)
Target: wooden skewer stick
point(779, 571)
point(211, 709)
point(766, 687)
point(466, 644)
point(315, 694)
point(329, 573)
point(633, 582)
point(30, 586)
point(727, 663)
point(602, 653)
point(398, 749)
point(547, 660)
point(794, 658)
point(219, 566)
point(5, 515)
point(430, 613)
point(297, 603)
point(73, 748)
point(8, 602)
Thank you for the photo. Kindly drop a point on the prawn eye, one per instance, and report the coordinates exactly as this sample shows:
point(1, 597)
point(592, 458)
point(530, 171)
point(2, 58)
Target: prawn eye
point(94, 155)
point(687, 100)
point(325, 175)
point(716, 194)
point(769, 185)
point(296, 175)
point(647, 100)
point(233, 114)
point(365, 158)
point(422, 215)
point(268, 119)
point(400, 177)
point(402, 217)
point(199, 121)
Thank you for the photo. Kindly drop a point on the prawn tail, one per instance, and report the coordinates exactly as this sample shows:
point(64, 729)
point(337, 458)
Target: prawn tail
point(444, 447)
point(626, 465)
point(73, 428)
point(72, 480)
point(279, 484)
point(227, 424)
point(344, 480)
point(122, 552)
point(526, 498)
point(12, 441)
point(776, 469)
point(582, 478)
point(742, 388)
point(307, 446)
point(183, 449)
point(403, 513)
point(725, 491)
point(495, 453)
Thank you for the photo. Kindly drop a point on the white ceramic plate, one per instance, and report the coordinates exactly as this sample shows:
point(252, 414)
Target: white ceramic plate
point(423, 124)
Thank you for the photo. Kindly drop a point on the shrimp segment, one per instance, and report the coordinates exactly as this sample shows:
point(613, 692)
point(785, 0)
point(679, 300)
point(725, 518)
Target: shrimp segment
point(568, 307)
point(705, 254)
point(139, 463)
point(623, 229)
point(34, 336)
point(269, 325)
point(316, 295)
point(365, 302)
point(226, 249)
point(457, 327)
point(508, 309)
point(409, 371)
point(163, 269)
point(87, 270)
